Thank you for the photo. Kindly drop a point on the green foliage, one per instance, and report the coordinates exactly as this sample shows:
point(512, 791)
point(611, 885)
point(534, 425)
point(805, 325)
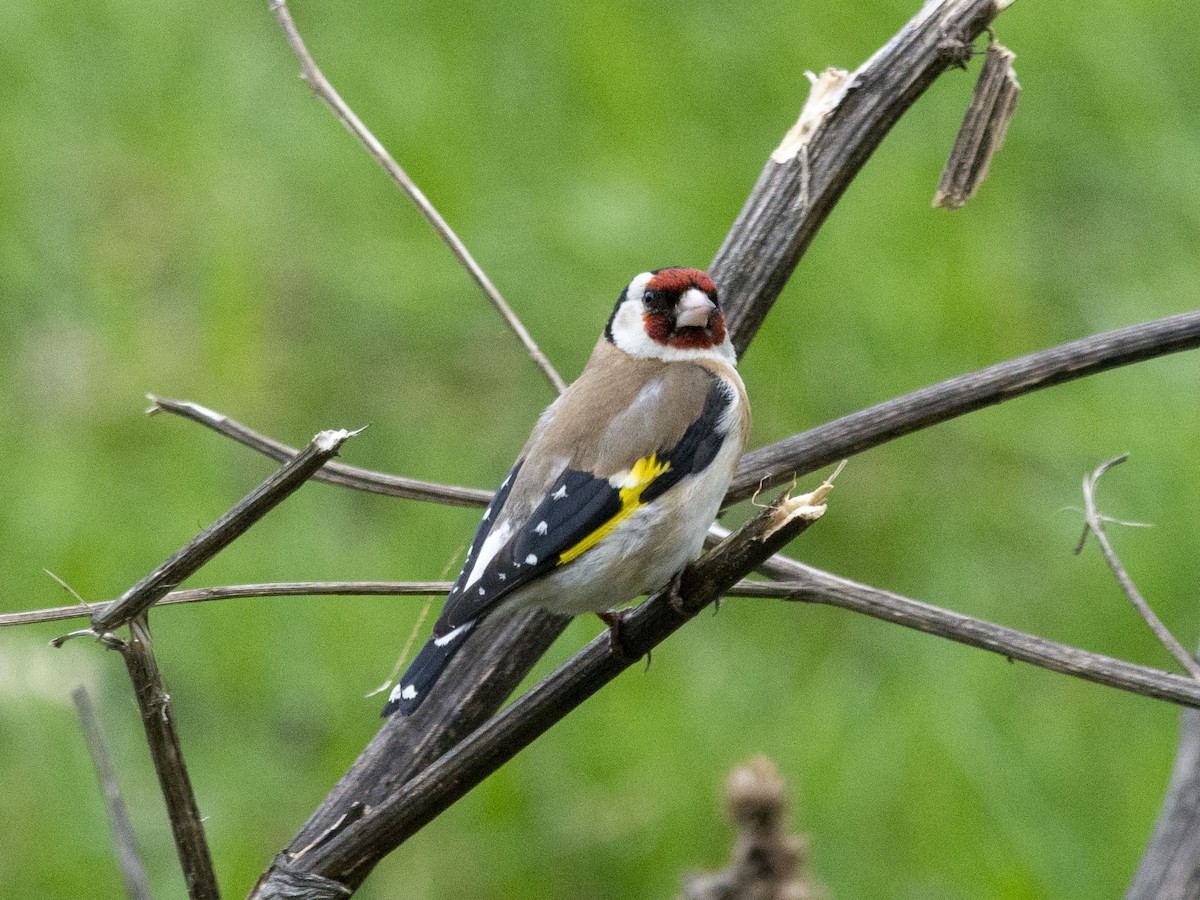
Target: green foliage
point(178, 215)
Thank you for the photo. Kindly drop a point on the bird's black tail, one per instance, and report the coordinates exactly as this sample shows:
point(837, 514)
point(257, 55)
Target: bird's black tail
point(424, 671)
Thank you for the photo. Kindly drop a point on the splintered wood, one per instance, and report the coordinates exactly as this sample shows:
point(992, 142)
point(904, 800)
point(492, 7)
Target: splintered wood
point(983, 129)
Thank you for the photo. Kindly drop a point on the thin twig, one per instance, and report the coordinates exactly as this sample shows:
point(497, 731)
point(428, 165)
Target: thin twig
point(279, 485)
point(1095, 525)
point(227, 592)
point(133, 871)
point(809, 585)
point(333, 472)
point(159, 724)
point(324, 90)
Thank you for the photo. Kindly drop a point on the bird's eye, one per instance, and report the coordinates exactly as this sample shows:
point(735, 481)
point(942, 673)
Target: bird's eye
point(649, 297)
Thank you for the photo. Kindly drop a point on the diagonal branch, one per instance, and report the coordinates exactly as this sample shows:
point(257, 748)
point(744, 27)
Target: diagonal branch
point(332, 472)
point(811, 450)
point(346, 856)
point(159, 724)
point(808, 585)
point(817, 447)
point(325, 92)
point(204, 546)
point(838, 130)
point(133, 870)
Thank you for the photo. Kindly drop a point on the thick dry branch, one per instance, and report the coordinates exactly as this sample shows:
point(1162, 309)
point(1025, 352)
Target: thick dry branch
point(808, 585)
point(133, 871)
point(279, 485)
point(324, 90)
point(232, 591)
point(807, 174)
point(347, 855)
point(817, 447)
point(332, 472)
point(159, 724)
point(1170, 867)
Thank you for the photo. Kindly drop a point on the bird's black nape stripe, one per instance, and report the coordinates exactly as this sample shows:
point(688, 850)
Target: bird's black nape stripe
point(608, 333)
point(699, 445)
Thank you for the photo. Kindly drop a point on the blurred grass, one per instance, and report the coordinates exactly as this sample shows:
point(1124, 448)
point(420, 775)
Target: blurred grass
point(178, 215)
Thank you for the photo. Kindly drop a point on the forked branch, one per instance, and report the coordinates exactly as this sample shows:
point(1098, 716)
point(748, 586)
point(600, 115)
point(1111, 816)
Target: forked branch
point(1095, 525)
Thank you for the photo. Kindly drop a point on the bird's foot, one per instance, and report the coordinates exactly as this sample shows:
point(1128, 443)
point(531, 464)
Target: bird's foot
point(673, 595)
point(615, 619)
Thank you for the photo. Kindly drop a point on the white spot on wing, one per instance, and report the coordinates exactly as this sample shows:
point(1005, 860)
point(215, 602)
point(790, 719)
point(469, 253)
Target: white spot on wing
point(496, 539)
point(408, 693)
point(542, 527)
point(560, 493)
point(531, 559)
point(482, 592)
point(447, 638)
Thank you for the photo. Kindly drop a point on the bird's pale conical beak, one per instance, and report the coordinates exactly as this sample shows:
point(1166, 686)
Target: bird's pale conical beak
point(694, 309)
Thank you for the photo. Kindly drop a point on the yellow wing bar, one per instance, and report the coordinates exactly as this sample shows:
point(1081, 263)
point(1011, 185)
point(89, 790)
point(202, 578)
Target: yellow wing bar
point(640, 477)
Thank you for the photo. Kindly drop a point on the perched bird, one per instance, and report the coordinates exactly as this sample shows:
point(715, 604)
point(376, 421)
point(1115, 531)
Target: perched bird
point(615, 489)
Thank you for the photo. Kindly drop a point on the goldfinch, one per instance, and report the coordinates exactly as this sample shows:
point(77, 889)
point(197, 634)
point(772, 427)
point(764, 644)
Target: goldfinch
point(617, 486)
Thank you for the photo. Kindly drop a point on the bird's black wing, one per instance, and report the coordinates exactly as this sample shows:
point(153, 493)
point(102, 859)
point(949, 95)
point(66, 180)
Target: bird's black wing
point(576, 513)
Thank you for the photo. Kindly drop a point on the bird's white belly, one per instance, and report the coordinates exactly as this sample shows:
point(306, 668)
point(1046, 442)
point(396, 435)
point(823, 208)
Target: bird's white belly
point(642, 553)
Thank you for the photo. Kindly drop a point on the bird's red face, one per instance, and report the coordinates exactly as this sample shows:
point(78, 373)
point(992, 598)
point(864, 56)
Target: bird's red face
point(681, 309)
point(673, 309)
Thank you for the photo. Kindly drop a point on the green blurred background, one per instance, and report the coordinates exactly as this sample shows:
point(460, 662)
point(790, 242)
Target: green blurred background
point(178, 215)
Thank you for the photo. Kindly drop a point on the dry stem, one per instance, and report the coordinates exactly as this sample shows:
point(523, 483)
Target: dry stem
point(325, 92)
point(1095, 525)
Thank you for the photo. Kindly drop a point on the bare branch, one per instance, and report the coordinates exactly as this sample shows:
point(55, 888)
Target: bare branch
point(1170, 867)
point(332, 472)
point(325, 92)
point(133, 871)
point(231, 591)
point(1095, 525)
point(808, 585)
point(811, 450)
point(217, 536)
point(159, 724)
point(817, 447)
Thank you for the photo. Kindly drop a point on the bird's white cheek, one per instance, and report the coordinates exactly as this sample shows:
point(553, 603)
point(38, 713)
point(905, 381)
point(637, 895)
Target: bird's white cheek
point(629, 331)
